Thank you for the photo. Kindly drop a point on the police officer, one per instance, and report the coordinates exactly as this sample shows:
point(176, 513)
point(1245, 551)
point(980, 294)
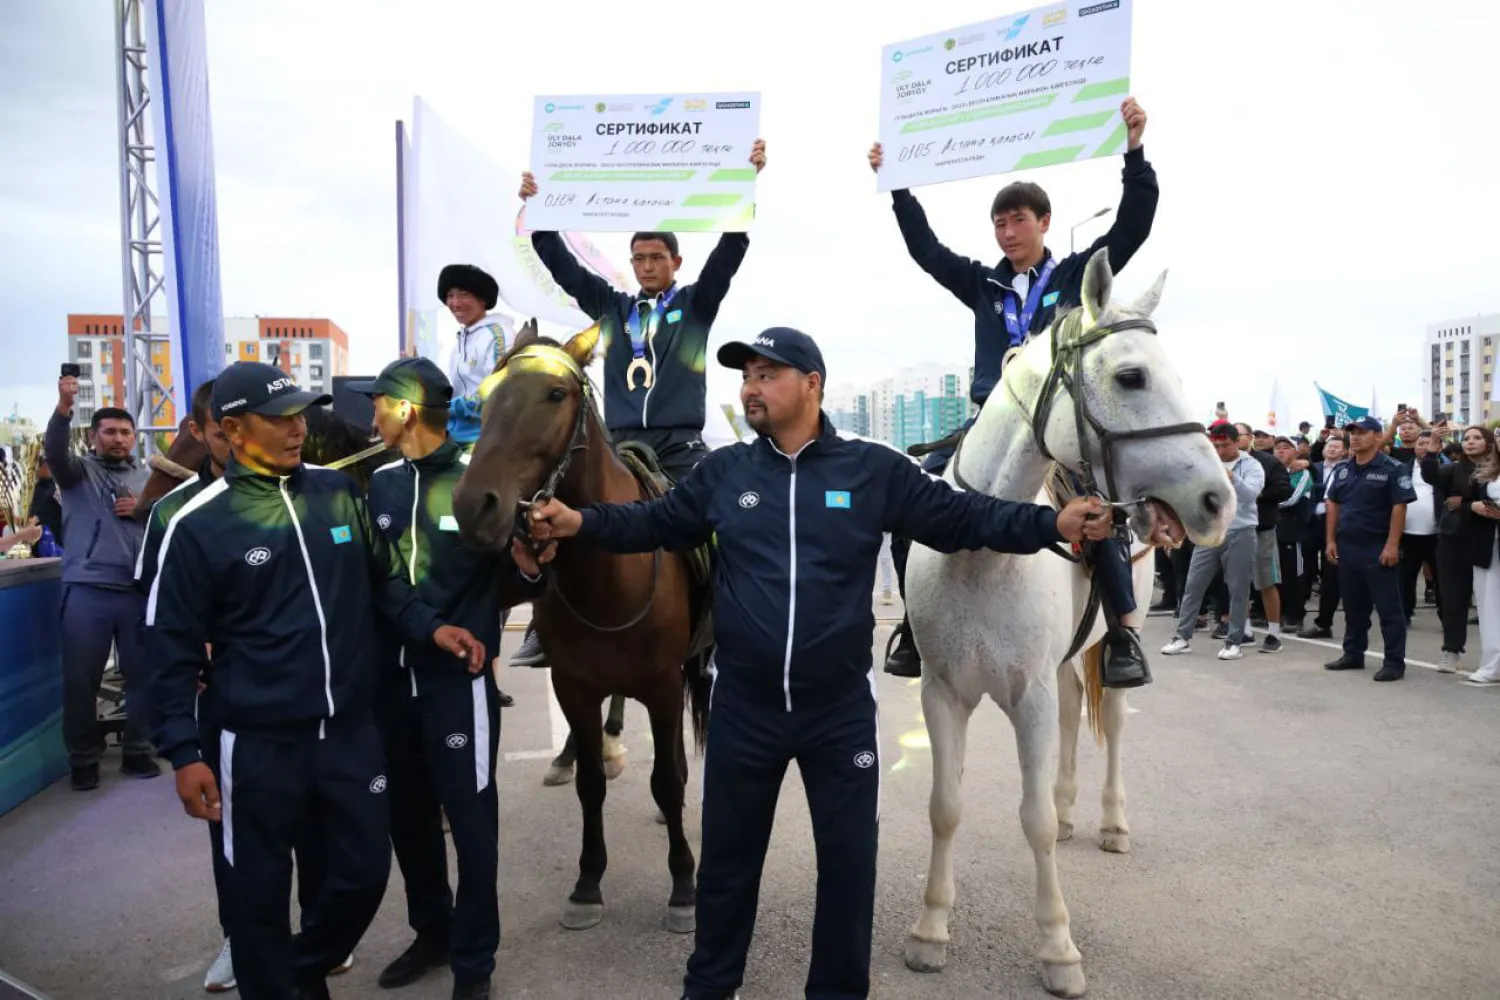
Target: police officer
point(441, 724)
point(808, 696)
point(279, 567)
point(1367, 500)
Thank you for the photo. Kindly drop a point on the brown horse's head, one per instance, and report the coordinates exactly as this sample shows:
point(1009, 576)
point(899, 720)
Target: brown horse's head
point(535, 404)
point(187, 454)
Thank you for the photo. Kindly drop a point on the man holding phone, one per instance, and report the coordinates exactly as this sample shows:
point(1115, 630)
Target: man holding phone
point(100, 605)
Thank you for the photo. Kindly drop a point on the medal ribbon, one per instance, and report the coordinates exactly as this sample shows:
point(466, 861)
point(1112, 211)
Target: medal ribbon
point(1019, 329)
point(638, 338)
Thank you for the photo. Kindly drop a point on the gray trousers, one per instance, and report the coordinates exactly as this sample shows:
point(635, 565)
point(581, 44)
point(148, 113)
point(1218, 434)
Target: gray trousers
point(92, 619)
point(1236, 557)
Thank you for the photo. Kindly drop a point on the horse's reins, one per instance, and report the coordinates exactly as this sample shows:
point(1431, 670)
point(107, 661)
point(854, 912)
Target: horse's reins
point(357, 457)
point(577, 441)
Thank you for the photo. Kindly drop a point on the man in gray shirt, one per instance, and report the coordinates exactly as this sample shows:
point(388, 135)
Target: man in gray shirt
point(1235, 555)
point(100, 605)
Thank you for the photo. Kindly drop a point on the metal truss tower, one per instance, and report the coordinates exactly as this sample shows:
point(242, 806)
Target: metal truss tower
point(146, 393)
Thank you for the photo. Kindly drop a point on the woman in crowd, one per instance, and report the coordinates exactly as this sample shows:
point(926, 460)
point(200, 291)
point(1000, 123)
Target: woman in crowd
point(1456, 569)
point(1480, 506)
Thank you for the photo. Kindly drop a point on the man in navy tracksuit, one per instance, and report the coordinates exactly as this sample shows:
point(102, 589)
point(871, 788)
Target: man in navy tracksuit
point(441, 724)
point(799, 516)
point(1017, 298)
point(277, 567)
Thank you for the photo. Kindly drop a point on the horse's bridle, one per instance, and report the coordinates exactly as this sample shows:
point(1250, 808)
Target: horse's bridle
point(1070, 338)
point(578, 441)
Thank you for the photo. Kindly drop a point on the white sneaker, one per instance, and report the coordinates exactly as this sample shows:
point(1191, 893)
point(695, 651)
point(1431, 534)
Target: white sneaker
point(339, 970)
point(1177, 645)
point(1231, 652)
point(220, 978)
point(1448, 663)
point(1478, 681)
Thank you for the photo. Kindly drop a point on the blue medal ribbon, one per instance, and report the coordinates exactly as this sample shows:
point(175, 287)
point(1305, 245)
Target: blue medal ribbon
point(1019, 328)
point(638, 337)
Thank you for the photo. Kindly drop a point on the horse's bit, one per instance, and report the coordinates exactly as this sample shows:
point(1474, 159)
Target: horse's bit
point(577, 441)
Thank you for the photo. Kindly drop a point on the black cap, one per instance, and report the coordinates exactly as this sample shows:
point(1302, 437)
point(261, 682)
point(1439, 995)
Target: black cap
point(415, 380)
point(252, 387)
point(1223, 429)
point(472, 280)
point(781, 344)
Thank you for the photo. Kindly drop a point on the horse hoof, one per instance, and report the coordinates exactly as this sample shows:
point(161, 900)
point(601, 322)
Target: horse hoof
point(614, 766)
point(1064, 832)
point(557, 774)
point(661, 818)
point(581, 916)
point(926, 956)
point(682, 919)
point(1064, 980)
point(1114, 841)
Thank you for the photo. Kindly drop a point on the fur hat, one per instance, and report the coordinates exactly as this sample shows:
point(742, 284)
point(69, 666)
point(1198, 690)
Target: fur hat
point(472, 280)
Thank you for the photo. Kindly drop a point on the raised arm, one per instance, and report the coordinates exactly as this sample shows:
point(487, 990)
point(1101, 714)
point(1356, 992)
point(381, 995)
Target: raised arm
point(718, 271)
point(1138, 196)
point(942, 517)
point(67, 470)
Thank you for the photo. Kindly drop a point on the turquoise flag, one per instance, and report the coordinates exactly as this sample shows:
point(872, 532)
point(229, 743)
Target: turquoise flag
point(1343, 413)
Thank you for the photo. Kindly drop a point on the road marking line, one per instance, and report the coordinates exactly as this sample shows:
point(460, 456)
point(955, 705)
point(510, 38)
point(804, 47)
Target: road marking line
point(512, 755)
point(1378, 654)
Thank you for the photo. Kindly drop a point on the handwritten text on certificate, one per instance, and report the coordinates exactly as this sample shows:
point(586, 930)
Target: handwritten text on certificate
point(628, 163)
point(1026, 90)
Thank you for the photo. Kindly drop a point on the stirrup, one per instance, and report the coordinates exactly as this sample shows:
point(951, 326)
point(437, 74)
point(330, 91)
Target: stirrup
point(1135, 671)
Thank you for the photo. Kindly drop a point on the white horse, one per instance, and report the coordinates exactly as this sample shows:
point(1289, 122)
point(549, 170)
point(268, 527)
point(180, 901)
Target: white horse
point(1094, 394)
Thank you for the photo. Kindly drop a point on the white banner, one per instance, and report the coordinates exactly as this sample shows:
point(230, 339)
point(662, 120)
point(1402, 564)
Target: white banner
point(177, 63)
point(636, 162)
point(1022, 91)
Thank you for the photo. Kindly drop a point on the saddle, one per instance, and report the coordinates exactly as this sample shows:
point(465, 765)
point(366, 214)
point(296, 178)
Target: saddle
point(645, 465)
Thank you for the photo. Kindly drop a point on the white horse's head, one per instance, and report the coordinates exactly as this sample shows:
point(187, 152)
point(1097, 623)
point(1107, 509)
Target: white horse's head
point(1137, 428)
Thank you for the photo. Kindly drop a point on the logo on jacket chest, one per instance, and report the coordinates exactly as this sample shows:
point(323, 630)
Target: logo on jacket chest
point(749, 499)
point(384, 520)
point(258, 556)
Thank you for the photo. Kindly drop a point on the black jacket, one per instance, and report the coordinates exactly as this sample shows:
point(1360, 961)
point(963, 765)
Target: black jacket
point(982, 289)
point(1479, 532)
point(1449, 479)
point(679, 350)
point(281, 575)
point(798, 539)
point(46, 508)
point(1294, 515)
point(1278, 488)
point(467, 588)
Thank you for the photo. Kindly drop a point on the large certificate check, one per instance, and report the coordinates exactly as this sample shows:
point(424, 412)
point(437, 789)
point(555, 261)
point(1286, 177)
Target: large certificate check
point(627, 163)
point(1026, 90)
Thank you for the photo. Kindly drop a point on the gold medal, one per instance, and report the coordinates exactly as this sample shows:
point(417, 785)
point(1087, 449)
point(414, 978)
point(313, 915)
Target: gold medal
point(646, 374)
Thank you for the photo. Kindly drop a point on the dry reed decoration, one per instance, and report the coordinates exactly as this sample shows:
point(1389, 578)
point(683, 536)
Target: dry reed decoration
point(18, 482)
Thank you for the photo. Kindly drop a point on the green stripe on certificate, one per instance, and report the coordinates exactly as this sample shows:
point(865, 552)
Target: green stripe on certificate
point(1082, 123)
point(623, 175)
point(710, 201)
point(1114, 142)
point(733, 174)
point(978, 114)
point(1105, 88)
point(1048, 157)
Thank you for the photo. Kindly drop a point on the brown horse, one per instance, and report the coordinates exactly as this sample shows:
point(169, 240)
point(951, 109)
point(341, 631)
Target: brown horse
point(331, 441)
point(610, 624)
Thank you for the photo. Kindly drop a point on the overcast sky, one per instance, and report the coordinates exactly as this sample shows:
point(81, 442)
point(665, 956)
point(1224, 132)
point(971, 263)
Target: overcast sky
point(1328, 172)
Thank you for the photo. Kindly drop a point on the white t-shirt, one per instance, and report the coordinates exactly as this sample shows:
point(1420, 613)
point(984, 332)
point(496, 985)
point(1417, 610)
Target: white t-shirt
point(1421, 519)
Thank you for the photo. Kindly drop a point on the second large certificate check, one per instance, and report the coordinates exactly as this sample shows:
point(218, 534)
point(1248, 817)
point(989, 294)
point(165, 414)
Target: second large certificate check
point(1026, 90)
point(633, 162)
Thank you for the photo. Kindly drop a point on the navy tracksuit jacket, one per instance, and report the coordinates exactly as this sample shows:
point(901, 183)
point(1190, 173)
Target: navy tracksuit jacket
point(280, 575)
point(798, 539)
point(441, 724)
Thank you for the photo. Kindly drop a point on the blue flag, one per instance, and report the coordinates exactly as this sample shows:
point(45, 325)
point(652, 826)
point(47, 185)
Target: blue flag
point(1342, 413)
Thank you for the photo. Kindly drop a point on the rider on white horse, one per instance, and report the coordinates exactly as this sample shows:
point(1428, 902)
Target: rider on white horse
point(1019, 295)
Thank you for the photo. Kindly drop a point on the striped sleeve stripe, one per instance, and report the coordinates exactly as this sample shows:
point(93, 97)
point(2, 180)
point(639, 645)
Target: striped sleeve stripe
point(390, 465)
point(140, 555)
point(217, 488)
point(850, 436)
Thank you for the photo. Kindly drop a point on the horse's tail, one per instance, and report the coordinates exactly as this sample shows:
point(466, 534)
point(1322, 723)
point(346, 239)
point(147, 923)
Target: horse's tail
point(1093, 687)
point(696, 686)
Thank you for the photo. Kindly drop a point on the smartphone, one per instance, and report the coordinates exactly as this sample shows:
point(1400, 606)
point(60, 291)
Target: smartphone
point(68, 368)
point(1400, 407)
point(1219, 404)
point(1439, 417)
point(1330, 421)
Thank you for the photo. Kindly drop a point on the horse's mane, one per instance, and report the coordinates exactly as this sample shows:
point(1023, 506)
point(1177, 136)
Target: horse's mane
point(331, 436)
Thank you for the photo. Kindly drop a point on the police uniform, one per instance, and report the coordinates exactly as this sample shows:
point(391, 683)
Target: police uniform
point(440, 723)
point(792, 676)
point(280, 574)
point(1365, 495)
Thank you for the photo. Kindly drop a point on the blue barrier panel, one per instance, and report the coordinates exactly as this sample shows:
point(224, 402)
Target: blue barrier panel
point(31, 745)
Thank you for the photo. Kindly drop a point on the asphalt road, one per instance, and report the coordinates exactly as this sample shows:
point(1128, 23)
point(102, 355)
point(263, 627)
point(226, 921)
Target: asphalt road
point(1296, 834)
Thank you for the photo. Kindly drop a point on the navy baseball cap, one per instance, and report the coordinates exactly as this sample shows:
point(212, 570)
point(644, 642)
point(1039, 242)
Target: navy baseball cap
point(780, 344)
point(1365, 424)
point(415, 380)
point(253, 387)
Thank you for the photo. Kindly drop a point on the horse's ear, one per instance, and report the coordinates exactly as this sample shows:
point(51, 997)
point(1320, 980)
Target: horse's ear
point(1146, 304)
point(580, 347)
point(1097, 279)
point(526, 336)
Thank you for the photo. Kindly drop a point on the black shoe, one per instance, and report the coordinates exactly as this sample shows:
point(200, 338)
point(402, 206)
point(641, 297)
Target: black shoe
point(1315, 631)
point(530, 654)
point(1162, 609)
point(1201, 625)
point(1346, 663)
point(139, 765)
point(84, 778)
point(1391, 672)
point(1221, 631)
point(471, 989)
point(1429, 596)
point(1124, 662)
point(903, 660)
point(428, 951)
point(1272, 644)
point(505, 700)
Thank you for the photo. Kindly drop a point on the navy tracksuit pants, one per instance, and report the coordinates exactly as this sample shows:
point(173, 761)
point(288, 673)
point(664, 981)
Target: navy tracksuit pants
point(1366, 585)
point(277, 790)
point(441, 745)
point(836, 745)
